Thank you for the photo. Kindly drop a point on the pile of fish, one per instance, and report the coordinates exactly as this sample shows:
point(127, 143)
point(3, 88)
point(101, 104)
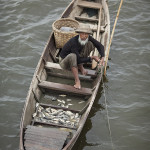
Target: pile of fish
point(56, 116)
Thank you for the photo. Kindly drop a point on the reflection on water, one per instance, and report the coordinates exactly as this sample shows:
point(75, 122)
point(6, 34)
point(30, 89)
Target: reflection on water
point(24, 30)
point(82, 141)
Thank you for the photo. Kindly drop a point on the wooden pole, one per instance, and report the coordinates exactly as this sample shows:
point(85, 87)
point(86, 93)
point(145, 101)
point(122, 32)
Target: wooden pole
point(94, 63)
point(107, 55)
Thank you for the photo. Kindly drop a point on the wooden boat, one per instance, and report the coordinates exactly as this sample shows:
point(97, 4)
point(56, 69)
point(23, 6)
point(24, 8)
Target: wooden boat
point(52, 91)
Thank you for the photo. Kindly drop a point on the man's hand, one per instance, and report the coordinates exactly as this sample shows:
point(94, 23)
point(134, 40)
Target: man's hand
point(98, 60)
point(102, 63)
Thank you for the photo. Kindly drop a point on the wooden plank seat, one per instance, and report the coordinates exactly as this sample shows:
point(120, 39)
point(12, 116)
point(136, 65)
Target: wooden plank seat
point(58, 107)
point(86, 19)
point(68, 76)
point(89, 4)
point(37, 138)
point(55, 66)
point(54, 124)
point(63, 88)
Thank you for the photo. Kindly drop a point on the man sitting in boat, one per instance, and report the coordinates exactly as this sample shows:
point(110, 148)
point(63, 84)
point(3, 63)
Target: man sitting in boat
point(76, 52)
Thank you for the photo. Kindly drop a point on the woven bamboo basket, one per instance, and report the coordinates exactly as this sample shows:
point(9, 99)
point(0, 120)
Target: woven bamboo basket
point(61, 37)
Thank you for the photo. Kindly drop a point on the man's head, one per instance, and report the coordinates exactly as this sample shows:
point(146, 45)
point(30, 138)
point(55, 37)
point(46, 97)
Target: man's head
point(84, 31)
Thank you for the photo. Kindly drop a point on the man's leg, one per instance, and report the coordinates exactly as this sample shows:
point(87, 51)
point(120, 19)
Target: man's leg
point(70, 63)
point(81, 68)
point(77, 81)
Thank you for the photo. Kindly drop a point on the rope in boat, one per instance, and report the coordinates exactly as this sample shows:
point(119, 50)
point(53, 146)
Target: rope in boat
point(107, 111)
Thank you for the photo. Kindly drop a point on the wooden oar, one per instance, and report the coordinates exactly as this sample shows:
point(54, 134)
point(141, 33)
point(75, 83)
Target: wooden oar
point(106, 60)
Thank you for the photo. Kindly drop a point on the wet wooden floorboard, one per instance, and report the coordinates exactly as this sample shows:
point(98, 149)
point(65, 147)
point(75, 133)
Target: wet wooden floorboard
point(37, 138)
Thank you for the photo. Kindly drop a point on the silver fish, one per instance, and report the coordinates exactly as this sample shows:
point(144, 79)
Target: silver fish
point(61, 121)
point(55, 119)
point(69, 113)
point(55, 113)
point(37, 104)
point(76, 115)
point(66, 106)
point(70, 104)
point(72, 117)
point(68, 100)
point(81, 102)
point(62, 95)
point(67, 121)
point(63, 102)
point(34, 115)
point(53, 110)
point(48, 110)
point(53, 98)
point(58, 100)
point(62, 105)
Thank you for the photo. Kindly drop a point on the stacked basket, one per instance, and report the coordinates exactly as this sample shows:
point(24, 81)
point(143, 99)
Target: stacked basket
point(61, 37)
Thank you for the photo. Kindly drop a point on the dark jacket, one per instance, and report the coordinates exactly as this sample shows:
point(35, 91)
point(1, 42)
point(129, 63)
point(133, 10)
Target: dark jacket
point(73, 46)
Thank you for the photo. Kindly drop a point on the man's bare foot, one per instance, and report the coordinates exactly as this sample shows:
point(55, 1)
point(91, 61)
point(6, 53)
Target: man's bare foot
point(83, 71)
point(77, 85)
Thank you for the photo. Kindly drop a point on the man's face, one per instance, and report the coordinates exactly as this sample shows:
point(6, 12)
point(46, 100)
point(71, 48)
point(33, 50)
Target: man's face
point(83, 36)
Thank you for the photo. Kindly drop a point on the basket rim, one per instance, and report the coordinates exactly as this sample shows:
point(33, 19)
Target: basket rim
point(57, 30)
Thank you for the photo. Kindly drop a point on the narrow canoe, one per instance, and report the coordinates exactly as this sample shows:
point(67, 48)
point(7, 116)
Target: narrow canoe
point(55, 112)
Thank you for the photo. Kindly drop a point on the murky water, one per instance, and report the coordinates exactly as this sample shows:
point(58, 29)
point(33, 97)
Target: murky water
point(24, 30)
